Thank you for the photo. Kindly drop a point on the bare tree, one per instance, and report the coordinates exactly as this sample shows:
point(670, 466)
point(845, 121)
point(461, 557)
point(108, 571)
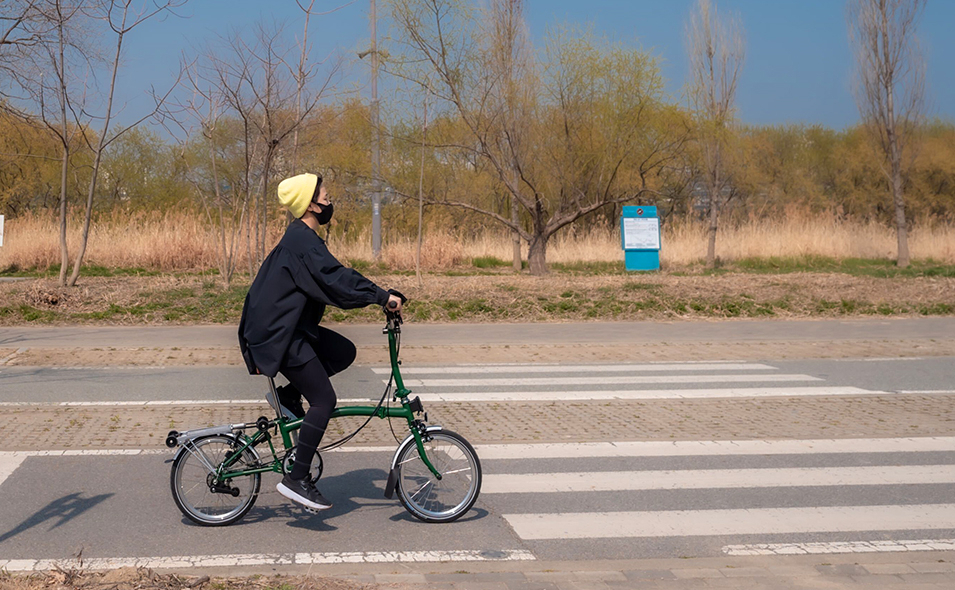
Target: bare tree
point(23, 29)
point(716, 49)
point(890, 87)
point(57, 57)
point(220, 194)
point(121, 17)
point(511, 61)
point(301, 74)
point(49, 70)
point(253, 84)
point(424, 141)
point(594, 131)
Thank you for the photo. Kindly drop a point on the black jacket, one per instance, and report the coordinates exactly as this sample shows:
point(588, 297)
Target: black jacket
point(288, 297)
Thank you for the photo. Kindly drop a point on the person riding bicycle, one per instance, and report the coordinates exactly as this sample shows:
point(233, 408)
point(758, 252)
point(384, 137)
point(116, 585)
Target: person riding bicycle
point(279, 329)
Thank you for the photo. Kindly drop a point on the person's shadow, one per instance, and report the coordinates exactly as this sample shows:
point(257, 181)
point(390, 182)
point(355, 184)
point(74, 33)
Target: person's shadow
point(62, 510)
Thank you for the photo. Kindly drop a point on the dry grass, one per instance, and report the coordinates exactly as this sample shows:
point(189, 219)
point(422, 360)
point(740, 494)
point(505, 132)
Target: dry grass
point(182, 242)
point(129, 578)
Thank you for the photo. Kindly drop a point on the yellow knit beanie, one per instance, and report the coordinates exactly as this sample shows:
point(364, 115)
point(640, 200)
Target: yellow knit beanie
point(296, 193)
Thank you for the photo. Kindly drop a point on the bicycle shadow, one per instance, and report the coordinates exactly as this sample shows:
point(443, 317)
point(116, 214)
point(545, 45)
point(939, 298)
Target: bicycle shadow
point(473, 514)
point(65, 509)
point(358, 489)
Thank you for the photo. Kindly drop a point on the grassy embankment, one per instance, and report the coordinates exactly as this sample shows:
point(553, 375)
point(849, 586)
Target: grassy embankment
point(164, 273)
point(486, 292)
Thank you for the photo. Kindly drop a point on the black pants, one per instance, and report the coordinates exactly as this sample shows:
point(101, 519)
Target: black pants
point(334, 354)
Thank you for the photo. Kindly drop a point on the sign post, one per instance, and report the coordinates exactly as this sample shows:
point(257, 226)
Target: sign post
point(1, 230)
point(640, 238)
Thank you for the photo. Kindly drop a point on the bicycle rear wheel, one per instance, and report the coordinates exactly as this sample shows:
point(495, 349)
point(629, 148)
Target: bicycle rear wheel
point(195, 489)
point(439, 500)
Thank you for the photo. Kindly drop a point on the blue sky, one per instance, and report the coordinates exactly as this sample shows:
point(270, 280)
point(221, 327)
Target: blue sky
point(797, 68)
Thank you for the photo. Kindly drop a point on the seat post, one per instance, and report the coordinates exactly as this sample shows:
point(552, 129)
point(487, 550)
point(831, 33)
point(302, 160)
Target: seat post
point(273, 398)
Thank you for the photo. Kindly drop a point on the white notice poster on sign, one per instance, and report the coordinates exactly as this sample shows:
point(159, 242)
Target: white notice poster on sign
point(641, 233)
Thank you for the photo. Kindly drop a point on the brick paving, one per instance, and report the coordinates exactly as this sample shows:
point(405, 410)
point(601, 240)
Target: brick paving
point(43, 427)
point(884, 576)
point(832, 572)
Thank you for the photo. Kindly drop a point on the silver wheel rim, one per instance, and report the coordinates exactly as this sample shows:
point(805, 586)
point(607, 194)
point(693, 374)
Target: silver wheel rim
point(429, 496)
point(193, 490)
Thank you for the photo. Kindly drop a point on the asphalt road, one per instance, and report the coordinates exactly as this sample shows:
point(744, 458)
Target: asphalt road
point(617, 500)
point(57, 506)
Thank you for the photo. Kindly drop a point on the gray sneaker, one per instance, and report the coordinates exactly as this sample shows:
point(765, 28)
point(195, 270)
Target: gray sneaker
point(304, 492)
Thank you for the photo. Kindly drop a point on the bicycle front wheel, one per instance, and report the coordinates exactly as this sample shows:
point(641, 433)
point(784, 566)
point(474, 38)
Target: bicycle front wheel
point(439, 500)
point(197, 493)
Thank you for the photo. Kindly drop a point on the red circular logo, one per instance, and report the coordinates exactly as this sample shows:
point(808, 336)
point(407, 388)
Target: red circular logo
point(639, 211)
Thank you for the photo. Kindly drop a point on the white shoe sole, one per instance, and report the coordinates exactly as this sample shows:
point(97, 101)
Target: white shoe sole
point(285, 491)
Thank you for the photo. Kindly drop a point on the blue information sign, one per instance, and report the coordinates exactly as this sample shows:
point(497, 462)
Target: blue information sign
point(640, 238)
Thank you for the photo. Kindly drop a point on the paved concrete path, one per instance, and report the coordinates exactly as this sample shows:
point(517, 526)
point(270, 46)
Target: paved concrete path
point(700, 514)
point(472, 334)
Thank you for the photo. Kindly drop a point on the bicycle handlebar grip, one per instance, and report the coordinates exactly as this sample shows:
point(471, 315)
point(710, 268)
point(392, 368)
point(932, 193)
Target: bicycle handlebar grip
point(392, 305)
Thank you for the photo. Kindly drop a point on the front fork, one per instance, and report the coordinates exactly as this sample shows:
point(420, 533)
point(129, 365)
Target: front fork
point(420, 433)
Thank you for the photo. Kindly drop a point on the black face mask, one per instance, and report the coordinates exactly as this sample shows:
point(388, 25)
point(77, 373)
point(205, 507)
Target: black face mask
point(325, 215)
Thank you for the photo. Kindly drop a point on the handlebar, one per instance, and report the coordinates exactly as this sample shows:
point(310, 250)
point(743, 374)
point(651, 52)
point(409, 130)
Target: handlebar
point(390, 309)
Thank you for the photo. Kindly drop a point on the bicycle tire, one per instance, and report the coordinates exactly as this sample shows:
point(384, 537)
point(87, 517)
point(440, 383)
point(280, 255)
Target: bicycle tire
point(445, 500)
point(248, 486)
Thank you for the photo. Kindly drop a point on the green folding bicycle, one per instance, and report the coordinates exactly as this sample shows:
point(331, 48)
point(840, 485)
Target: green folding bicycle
point(217, 471)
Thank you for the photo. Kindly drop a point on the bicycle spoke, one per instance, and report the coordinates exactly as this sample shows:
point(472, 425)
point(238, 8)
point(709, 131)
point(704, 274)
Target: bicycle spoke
point(420, 489)
point(196, 499)
point(432, 499)
point(408, 460)
point(198, 454)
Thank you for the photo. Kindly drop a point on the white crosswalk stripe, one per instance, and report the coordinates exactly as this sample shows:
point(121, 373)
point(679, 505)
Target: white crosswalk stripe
point(620, 381)
point(749, 521)
point(636, 379)
point(645, 394)
point(691, 479)
point(710, 448)
point(545, 368)
point(761, 499)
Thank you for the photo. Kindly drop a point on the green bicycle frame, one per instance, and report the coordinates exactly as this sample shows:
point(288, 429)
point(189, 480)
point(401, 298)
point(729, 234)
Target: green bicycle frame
point(286, 427)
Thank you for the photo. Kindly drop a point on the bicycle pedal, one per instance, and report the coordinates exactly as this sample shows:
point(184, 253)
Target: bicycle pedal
point(309, 510)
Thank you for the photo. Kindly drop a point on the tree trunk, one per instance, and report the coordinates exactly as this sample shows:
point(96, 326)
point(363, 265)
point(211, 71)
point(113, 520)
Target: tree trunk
point(264, 220)
point(895, 163)
point(64, 250)
point(715, 186)
point(898, 198)
point(537, 255)
point(424, 137)
point(515, 236)
point(711, 232)
point(248, 236)
point(85, 238)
